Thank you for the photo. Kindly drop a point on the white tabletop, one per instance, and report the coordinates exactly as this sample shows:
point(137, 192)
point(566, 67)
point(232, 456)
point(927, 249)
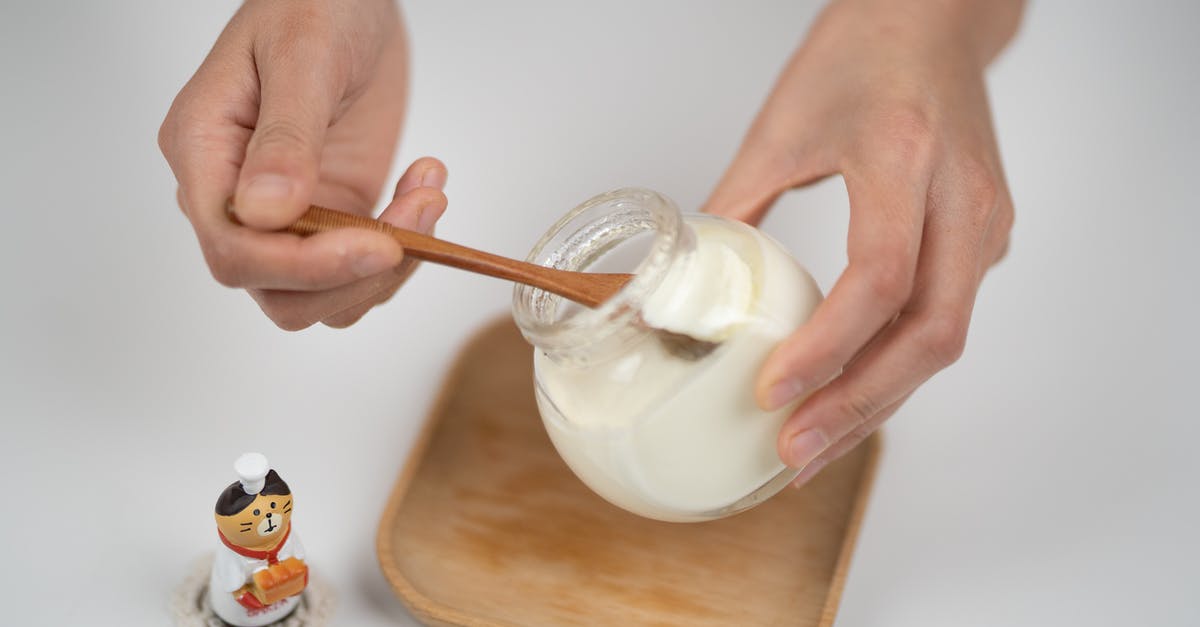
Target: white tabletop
point(1046, 479)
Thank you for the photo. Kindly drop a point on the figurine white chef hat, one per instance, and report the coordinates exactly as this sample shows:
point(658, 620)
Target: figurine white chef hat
point(252, 469)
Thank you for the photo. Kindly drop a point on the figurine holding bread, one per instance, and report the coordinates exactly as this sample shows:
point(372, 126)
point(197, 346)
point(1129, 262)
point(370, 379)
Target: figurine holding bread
point(259, 570)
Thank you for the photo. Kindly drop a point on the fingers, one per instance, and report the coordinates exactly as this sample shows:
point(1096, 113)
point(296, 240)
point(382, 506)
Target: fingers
point(300, 89)
point(343, 305)
point(846, 444)
point(293, 311)
point(418, 208)
point(918, 345)
point(243, 257)
point(887, 212)
point(928, 336)
point(204, 149)
point(349, 316)
point(996, 238)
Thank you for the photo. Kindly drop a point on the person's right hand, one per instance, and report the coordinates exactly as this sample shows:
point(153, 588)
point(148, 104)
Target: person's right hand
point(300, 103)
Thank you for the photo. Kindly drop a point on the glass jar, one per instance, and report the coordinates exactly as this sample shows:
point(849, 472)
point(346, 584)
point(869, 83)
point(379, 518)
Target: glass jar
point(667, 434)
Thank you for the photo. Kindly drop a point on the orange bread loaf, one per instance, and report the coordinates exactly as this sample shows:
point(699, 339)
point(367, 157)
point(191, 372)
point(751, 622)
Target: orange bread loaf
point(280, 581)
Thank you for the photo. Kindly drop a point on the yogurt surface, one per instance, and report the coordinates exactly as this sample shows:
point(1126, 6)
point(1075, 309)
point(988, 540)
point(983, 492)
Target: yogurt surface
point(705, 298)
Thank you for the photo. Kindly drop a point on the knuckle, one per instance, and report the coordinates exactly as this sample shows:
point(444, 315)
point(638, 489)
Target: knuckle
point(910, 119)
point(222, 275)
point(181, 200)
point(189, 131)
point(290, 322)
point(999, 232)
point(944, 335)
point(221, 263)
point(910, 133)
point(166, 135)
point(178, 120)
point(305, 22)
point(280, 134)
point(981, 187)
point(286, 315)
point(889, 280)
point(859, 408)
point(306, 31)
point(1001, 252)
point(344, 320)
point(1004, 219)
point(327, 271)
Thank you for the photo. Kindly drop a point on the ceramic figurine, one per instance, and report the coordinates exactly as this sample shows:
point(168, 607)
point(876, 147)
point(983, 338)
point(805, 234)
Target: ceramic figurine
point(259, 570)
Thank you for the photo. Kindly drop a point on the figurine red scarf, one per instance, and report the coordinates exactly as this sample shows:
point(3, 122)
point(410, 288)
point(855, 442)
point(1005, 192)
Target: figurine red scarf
point(271, 556)
point(247, 600)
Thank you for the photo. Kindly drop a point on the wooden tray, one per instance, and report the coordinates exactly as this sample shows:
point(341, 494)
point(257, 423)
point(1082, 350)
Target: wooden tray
point(488, 527)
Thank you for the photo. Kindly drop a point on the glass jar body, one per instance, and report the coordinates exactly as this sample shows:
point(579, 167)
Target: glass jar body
point(662, 435)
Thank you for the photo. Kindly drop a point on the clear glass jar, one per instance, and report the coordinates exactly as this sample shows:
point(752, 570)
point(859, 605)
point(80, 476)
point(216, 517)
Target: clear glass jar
point(657, 431)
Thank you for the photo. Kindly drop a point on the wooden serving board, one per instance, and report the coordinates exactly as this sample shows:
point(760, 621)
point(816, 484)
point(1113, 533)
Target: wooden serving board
point(488, 527)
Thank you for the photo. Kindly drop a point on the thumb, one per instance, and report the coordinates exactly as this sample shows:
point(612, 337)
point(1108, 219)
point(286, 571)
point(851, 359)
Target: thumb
point(283, 158)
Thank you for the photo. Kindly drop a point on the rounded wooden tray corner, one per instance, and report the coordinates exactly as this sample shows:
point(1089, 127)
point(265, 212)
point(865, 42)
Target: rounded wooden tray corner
point(487, 527)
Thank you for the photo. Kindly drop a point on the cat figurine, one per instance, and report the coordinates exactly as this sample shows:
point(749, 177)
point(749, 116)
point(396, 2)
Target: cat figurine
point(259, 570)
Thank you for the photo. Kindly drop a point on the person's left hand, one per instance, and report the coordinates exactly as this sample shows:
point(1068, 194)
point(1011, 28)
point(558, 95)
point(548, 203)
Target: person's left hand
point(893, 98)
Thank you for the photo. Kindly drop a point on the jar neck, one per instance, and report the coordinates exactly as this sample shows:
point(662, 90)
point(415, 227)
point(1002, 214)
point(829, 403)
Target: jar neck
point(605, 226)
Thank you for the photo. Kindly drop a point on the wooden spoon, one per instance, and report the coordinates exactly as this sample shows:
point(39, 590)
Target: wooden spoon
point(587, 288)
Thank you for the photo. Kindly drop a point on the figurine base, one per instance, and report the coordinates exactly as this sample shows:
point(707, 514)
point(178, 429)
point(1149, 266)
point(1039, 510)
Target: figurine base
point(189, 605)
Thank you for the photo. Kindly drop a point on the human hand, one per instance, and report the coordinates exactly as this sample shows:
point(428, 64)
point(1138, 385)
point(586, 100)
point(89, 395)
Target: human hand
point(300, 103)
point(891, 96)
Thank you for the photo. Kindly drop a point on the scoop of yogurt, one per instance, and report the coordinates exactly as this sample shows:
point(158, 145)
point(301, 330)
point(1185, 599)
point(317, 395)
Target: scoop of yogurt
point(705, 298)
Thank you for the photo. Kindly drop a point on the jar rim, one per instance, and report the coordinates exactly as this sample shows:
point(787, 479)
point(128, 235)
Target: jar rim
point(565, 245)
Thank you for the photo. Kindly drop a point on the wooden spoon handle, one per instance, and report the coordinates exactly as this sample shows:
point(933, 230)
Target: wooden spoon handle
point(586, 288)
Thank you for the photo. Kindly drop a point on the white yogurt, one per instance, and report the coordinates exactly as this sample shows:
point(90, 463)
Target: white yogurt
point(680, 440)
point(705, 298)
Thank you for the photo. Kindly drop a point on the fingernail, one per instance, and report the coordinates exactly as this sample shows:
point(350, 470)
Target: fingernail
point(434, 177)
point(805, 447)
point(268, 188)
point(370, 264)
point(784, 392)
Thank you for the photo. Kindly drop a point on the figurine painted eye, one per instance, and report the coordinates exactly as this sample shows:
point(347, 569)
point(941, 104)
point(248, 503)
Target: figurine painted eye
point(272, 504)
point(256, 512)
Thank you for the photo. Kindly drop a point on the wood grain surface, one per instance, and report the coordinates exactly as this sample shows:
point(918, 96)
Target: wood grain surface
point(488, 527)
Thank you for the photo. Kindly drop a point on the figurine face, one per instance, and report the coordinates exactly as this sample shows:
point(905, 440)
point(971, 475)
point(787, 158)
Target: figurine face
point(260, 525)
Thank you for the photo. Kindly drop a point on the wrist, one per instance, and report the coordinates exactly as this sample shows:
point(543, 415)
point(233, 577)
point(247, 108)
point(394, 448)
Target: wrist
point(978, 29)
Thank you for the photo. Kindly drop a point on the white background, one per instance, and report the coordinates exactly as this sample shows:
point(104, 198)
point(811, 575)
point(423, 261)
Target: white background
point(1049, 478)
